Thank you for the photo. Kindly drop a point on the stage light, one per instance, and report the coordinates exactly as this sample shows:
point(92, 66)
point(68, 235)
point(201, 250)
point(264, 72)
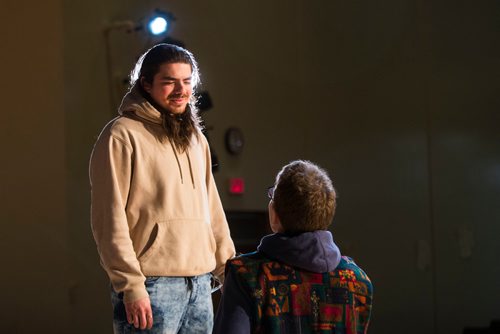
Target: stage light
point(159, 22)
point(158, 25)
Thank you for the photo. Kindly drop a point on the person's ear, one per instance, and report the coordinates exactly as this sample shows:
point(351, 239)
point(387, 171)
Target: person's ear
point(145, 85)
point(274, 220)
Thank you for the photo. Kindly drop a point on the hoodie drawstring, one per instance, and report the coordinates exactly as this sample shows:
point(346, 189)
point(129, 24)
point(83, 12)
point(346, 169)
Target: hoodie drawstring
point(179, 164)
point(190, 169)
point(177, 159)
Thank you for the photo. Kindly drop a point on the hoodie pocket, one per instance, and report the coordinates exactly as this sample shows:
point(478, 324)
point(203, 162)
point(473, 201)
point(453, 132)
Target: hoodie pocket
point(154, 241)
point(182, 247)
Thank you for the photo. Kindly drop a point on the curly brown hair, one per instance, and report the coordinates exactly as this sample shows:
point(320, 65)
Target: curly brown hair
point(304, 197)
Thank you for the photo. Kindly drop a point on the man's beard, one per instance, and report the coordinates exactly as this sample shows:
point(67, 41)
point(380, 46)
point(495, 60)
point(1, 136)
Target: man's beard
point(180, 127)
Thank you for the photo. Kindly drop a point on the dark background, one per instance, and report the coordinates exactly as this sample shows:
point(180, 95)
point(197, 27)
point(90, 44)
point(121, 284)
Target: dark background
point(397, 99)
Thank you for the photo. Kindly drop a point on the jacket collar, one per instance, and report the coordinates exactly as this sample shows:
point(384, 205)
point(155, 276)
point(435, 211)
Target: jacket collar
point(312, 251)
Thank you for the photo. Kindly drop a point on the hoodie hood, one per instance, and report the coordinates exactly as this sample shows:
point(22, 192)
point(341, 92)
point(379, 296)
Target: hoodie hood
point(312, 251)
point(134, 102)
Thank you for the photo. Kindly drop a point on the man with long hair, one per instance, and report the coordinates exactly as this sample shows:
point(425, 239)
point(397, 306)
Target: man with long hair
point(297, 281)
point(157, 218)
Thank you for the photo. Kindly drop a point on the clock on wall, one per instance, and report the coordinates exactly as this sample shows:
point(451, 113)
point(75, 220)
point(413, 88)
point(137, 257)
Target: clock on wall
point(234, 140)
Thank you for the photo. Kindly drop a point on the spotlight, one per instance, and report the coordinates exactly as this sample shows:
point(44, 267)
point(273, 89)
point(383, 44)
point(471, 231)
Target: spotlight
point(159, 22)
point(158, 25)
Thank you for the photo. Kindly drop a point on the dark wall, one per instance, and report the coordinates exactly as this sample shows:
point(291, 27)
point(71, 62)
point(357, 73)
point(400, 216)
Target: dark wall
point(33, 206)
point(397, 100)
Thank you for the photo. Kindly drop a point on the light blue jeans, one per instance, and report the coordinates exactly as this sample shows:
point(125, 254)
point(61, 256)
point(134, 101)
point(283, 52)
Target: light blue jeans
point(180, 305)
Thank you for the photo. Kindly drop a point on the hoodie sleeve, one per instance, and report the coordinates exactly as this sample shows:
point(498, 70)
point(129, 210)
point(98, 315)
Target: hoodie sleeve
point(233, 313)
point(225, 246)
point(110, 174)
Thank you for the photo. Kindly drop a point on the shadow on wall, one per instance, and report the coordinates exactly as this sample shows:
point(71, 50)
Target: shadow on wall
point(494, 328)
point(247, 228)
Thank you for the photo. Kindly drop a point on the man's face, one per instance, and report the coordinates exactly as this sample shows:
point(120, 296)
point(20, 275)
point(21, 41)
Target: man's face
point(171, 87)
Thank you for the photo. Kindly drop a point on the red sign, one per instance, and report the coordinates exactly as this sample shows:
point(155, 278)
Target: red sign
point(236, 186)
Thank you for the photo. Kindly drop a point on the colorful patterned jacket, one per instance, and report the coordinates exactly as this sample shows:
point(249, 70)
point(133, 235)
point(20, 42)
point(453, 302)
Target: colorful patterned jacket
point(273, 297)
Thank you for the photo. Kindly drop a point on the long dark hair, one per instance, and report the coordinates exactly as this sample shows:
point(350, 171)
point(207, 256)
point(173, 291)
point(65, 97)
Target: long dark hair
point(178, 128)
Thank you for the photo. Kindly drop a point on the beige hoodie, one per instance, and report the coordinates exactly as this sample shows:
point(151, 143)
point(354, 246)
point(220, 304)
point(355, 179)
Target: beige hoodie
point(155, 212)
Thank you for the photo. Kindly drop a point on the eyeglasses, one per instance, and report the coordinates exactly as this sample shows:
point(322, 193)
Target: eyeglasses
point(270, 192)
